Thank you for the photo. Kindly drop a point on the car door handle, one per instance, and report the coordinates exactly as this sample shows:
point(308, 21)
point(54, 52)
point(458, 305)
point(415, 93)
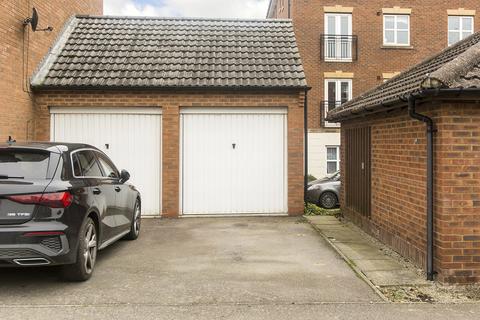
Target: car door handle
point(97, 191)
point(118, 189)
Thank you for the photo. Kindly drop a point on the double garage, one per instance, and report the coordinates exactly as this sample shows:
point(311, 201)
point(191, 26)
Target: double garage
point(232, 160)
point(205, 114)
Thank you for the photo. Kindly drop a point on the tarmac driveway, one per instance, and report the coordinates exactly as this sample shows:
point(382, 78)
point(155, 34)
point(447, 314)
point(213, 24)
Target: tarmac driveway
point(204, 261)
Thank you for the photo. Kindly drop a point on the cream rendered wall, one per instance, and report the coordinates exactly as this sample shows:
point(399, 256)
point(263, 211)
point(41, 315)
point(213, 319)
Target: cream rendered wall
point(317, 151)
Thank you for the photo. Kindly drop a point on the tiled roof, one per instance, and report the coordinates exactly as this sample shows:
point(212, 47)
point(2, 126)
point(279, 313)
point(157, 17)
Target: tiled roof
point(113, 52)
point(457, 66)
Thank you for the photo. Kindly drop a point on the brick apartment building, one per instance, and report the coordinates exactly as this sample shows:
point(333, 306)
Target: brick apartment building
point(21, 50)
point(350, 46)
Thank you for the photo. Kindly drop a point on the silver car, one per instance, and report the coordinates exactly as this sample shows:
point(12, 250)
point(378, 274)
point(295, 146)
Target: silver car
point(325, 192)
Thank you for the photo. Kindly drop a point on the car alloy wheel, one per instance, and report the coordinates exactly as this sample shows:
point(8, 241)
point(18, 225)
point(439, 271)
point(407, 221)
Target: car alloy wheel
point(90, 250)
point(328, 200)
point(137, 220)
point(135, 223)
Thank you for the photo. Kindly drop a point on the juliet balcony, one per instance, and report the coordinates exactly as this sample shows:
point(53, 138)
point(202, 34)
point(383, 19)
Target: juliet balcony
point(339, 48)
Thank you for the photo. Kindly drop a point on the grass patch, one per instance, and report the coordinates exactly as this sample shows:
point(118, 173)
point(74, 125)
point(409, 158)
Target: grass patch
point(311, 209)
point(311, 178)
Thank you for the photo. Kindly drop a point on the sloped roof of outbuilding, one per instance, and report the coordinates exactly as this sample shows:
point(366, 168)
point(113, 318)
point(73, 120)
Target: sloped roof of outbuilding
point(458, 66)
point(132, 52)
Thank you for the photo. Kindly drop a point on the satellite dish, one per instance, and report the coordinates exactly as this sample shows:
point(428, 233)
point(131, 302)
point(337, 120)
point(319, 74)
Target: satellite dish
point(34, 19)
point(33, 22)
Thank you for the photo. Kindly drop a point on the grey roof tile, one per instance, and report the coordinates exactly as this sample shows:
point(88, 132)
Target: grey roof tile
point(172, 52)
point(458, 66)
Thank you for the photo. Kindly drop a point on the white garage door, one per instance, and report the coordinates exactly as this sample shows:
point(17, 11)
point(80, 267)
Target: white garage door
point(234, 161)
point(131, 137)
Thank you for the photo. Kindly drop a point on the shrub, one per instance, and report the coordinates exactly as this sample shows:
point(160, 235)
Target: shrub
point(314, 210)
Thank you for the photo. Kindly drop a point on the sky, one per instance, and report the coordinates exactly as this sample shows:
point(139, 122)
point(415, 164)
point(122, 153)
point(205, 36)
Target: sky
point(188, 8)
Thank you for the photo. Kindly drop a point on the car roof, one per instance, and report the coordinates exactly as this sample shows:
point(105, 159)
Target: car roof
point(48, 146)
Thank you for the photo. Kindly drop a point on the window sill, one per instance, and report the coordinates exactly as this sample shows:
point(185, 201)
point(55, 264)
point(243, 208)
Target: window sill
point(397, 47)
point(338, 60)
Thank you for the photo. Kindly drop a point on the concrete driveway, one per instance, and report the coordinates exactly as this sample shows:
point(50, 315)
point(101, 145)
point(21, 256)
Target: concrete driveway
point(205, 260)
point(206, 267)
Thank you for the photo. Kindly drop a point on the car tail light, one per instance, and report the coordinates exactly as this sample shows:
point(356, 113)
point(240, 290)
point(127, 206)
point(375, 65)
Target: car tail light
point(52, 200)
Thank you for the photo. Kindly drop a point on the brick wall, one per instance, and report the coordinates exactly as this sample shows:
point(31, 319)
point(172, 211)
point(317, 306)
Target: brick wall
point(171, 102)
point(398, 214)
point(21, 50)
point(458, 192)
point(398, 183)
point(428, 26)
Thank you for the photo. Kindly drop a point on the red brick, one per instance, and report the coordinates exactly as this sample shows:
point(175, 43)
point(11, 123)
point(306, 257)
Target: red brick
point(22, 50)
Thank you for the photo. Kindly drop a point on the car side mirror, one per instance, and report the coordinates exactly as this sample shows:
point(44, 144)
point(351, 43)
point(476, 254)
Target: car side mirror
point(124, 176)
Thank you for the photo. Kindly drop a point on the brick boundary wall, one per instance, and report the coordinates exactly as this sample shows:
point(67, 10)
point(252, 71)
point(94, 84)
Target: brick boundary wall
point(398, 214)
point(171, 102)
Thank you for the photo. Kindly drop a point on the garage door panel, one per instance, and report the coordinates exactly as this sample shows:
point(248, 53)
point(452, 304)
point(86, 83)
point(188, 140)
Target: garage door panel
point(233, 163)
point(131, 140)
point(204, 170)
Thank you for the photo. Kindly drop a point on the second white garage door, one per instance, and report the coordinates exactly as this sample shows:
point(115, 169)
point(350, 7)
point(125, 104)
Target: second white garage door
point(131, 137)
point(234, 161)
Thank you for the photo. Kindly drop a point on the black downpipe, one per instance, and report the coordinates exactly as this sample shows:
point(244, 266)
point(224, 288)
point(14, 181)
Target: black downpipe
point(430, 181)
point(305, 129)
point(289, 9)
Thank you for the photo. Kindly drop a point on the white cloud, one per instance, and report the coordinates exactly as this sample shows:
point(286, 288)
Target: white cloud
point(188, 8)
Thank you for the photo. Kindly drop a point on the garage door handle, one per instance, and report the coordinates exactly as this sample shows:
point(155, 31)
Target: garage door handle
point(96, 191)
point(118, 189)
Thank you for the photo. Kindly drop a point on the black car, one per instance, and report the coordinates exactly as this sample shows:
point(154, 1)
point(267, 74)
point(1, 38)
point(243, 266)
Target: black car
point(60, 204)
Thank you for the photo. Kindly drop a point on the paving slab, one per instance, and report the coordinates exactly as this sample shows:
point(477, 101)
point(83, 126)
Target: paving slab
point(364, 255)
point(356, 251)
point(395, 278)
point(324, 220)
point(377, 264)
point(342, 235)
point(360, 246)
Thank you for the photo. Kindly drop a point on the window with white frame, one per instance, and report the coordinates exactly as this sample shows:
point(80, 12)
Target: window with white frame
point(333, 159)
point(337, 91)
point(338, 37)
point(396, 30)
point(459, 27)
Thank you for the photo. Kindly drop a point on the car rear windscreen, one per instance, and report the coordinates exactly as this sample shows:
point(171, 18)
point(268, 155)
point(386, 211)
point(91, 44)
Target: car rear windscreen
point(24, 164)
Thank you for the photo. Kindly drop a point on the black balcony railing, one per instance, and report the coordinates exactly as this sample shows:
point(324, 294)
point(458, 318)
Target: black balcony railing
point(339, 47)
point(327, 106)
